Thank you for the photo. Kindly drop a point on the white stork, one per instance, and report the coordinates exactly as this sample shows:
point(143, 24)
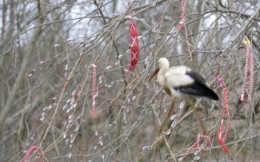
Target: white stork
point(182, 83)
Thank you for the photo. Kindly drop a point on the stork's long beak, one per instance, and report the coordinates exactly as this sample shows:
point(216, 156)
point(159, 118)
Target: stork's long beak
point(154, 73)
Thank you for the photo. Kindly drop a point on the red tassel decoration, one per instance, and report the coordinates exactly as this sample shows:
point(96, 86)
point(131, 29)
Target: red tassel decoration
point(249, 64)
point(225, 114)
point(94, 90)
point(182, 22)
point(30, 151)
point(134, 45)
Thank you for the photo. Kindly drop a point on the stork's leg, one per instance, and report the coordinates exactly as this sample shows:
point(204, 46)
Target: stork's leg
point(167, 118)
point(199, 119)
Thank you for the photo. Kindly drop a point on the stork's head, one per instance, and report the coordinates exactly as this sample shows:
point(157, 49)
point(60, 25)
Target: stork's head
point(162, 63)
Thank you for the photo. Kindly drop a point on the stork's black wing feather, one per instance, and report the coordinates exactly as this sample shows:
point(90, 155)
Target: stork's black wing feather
point(196, 77)
point(197, 88)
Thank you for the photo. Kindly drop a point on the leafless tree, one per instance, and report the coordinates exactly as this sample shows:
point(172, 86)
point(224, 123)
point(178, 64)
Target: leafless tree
point(47, 50)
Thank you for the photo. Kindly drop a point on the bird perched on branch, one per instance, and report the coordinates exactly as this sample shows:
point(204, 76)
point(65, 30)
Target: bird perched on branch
point(182, 83)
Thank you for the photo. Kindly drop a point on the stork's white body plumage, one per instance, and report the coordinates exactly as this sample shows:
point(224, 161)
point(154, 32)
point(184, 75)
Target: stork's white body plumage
point(181, 81)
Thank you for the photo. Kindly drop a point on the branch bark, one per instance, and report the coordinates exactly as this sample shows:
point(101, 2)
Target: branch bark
point(24, 67)
point(241, 30)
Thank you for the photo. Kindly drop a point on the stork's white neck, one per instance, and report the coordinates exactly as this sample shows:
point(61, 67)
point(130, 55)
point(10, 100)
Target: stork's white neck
point(160, 75)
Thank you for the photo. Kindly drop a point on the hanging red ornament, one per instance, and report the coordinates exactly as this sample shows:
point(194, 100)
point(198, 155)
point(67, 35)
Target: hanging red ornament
point(134, 45)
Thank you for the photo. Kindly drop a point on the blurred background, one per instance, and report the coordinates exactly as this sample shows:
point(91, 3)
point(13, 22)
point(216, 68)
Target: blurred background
point(46, 52)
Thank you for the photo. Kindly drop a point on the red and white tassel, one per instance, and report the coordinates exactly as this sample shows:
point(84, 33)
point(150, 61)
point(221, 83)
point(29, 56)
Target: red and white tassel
point(182, 22)
point(134, 45)
point(249, 65)
point(30, 151)
point(94, 90)
point(225, 114)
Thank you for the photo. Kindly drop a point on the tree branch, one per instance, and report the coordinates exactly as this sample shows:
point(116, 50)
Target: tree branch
point(23, 69)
